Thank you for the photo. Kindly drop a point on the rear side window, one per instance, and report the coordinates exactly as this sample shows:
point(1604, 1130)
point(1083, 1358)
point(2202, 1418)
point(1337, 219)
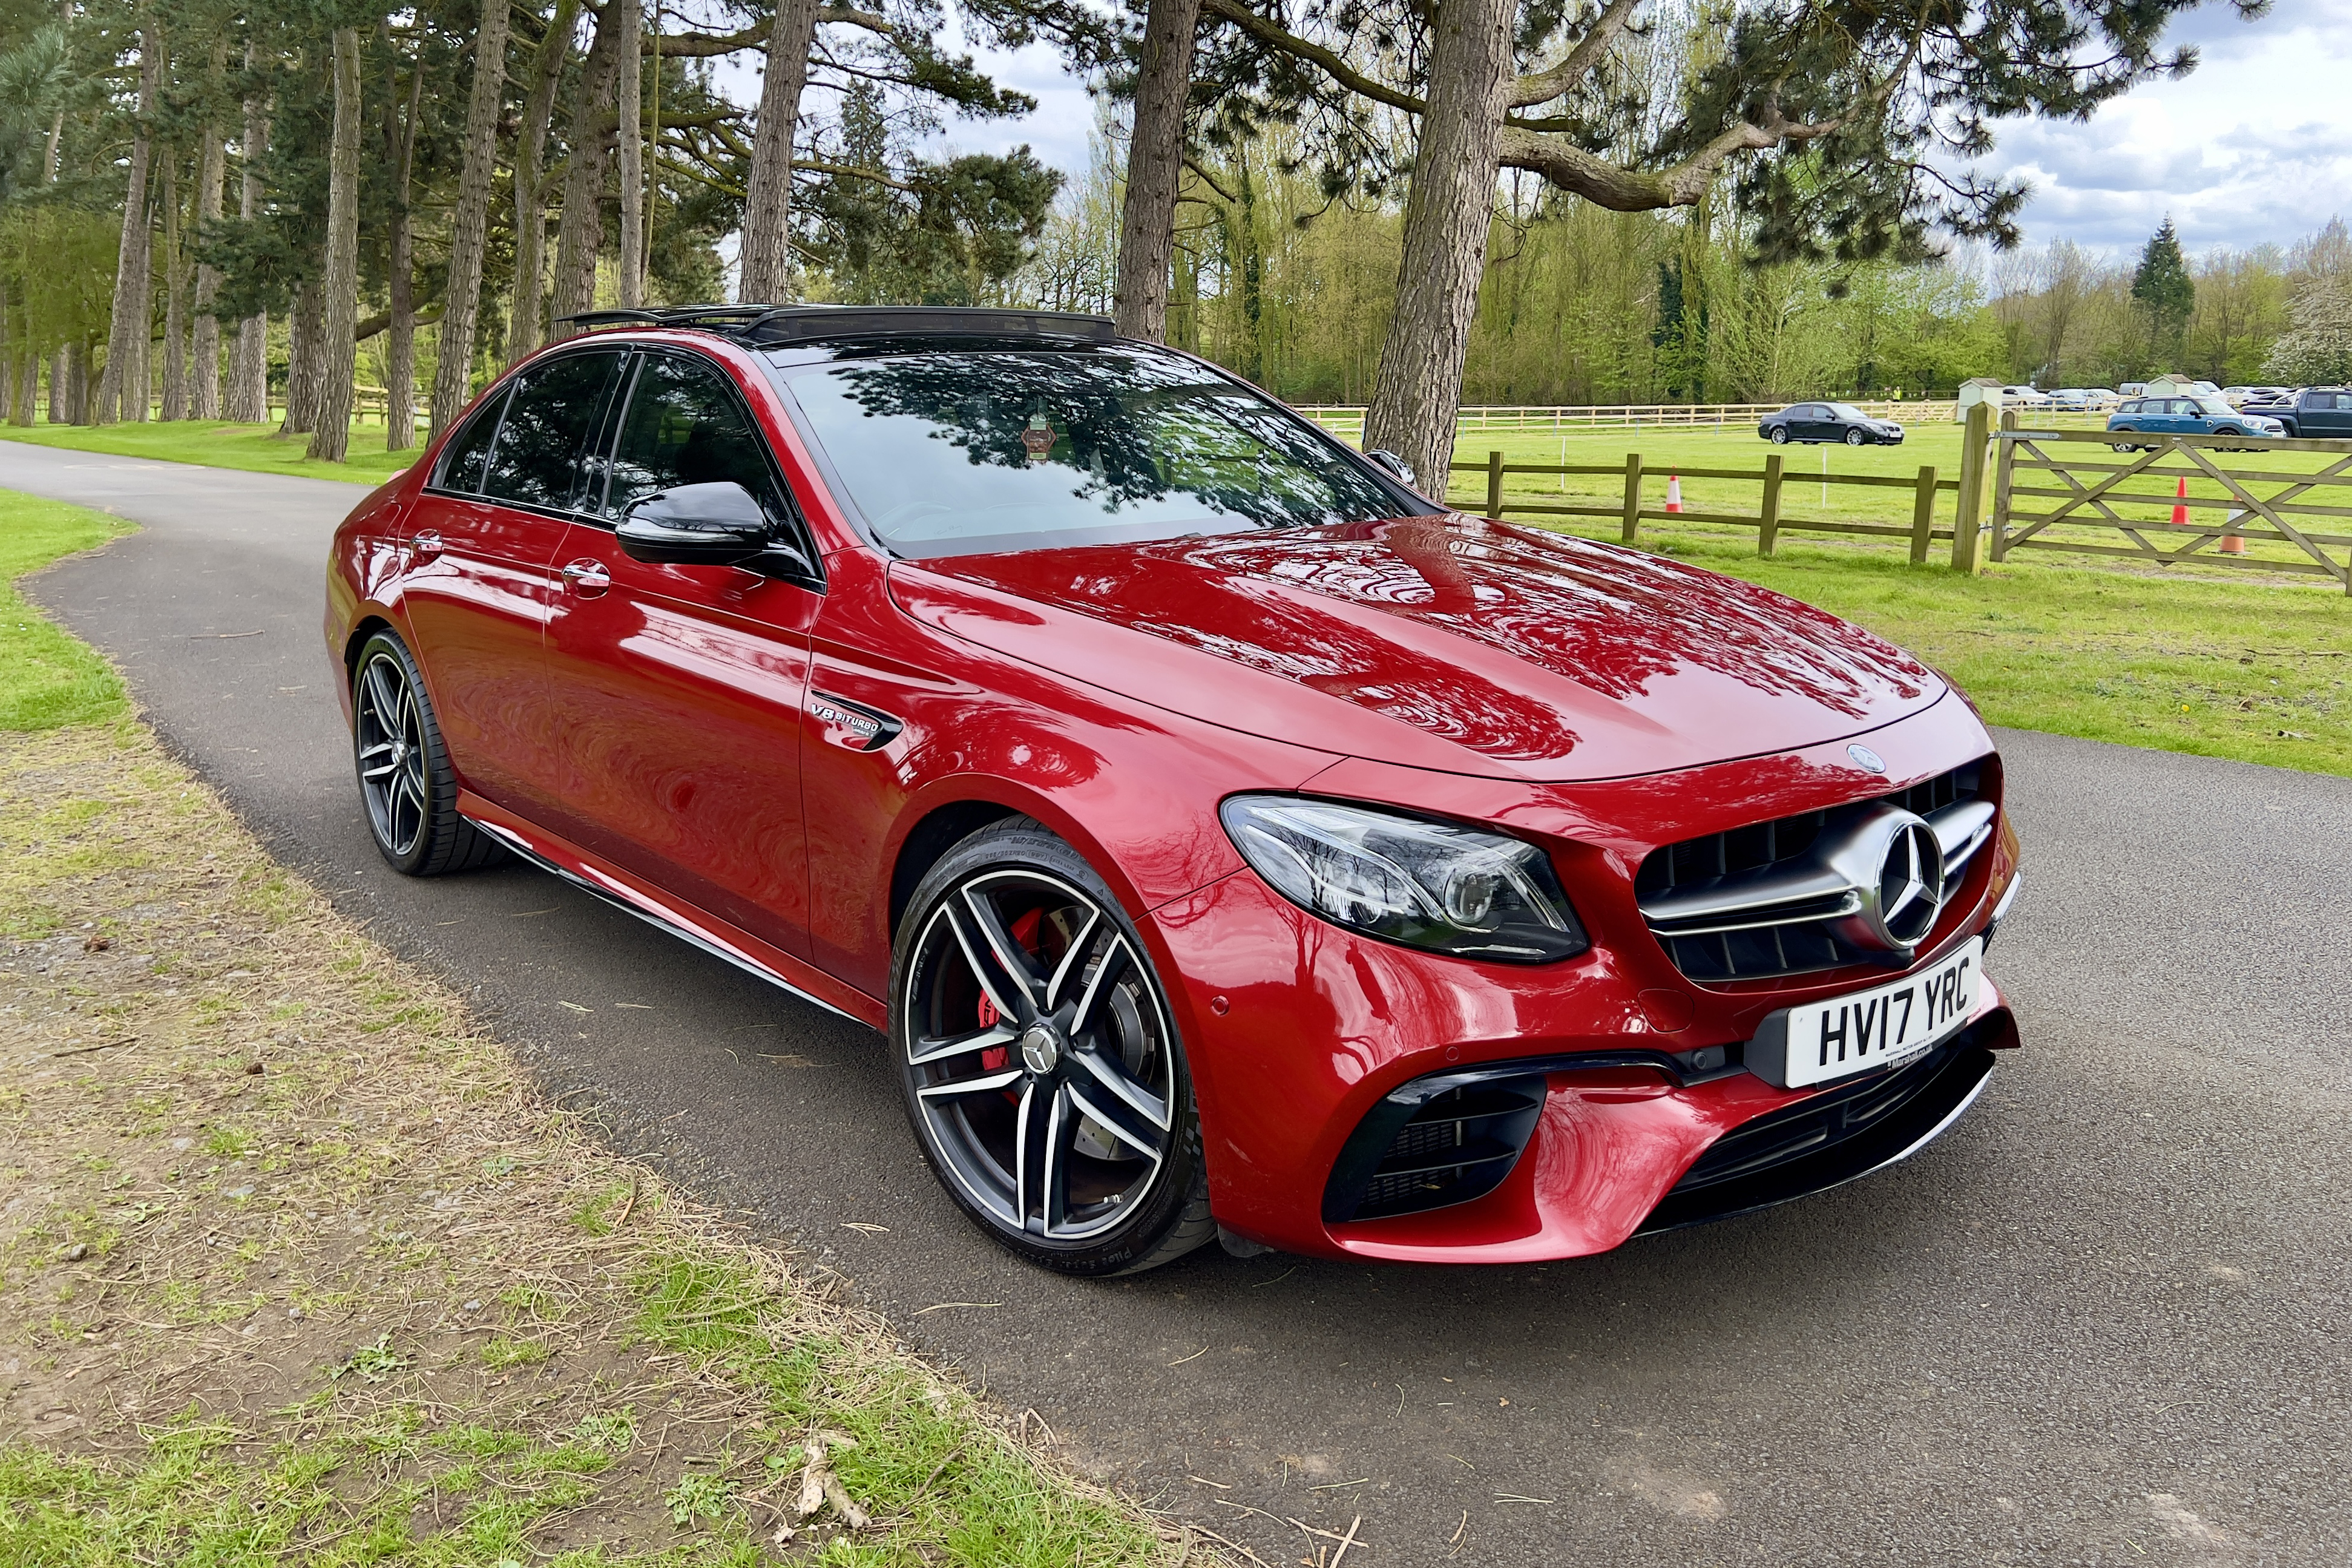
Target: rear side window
point(548, 415)
point(468, 457)
point(685, 425)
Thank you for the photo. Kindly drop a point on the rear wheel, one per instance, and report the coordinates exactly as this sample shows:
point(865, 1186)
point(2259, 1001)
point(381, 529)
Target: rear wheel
point(405, 780)
point(1779, 435)
point(1040, 1062)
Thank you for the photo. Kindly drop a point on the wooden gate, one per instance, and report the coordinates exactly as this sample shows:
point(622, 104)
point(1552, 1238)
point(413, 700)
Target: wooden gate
point(2173, 500)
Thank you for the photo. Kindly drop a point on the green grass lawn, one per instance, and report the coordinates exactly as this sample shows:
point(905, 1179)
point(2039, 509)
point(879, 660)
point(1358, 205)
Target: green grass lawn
point(48, 679)
point(219, 444)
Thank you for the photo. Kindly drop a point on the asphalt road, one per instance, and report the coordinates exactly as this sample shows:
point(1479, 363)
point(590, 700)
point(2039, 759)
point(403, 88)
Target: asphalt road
point(2101, 1321)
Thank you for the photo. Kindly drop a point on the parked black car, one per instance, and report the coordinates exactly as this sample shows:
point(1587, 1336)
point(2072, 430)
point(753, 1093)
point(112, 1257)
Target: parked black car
point(2314, 411)
point(1810, 423)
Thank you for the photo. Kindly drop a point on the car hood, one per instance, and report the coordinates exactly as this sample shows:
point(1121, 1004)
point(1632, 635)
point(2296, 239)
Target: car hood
point(1446, 642)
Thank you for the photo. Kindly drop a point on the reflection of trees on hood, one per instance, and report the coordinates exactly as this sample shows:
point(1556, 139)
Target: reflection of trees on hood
point(1129, 427)
point(1315, 607)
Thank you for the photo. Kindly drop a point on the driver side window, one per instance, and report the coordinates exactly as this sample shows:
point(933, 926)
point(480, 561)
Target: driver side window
point(685, 425)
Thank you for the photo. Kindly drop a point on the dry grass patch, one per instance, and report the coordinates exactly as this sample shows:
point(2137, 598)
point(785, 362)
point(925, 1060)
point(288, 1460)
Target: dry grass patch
point(295, 1266)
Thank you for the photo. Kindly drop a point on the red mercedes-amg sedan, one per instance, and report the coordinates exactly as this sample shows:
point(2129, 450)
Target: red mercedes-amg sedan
point(1229, 840)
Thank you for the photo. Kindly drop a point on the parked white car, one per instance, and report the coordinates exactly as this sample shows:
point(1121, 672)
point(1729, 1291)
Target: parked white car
point(2024, 397)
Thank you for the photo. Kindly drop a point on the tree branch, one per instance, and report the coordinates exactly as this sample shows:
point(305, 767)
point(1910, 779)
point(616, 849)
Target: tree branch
point(1543, 85)
point(1276, 37)
point(1206, 177)
point(1622, 190)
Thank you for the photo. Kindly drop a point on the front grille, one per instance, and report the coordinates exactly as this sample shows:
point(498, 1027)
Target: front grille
point(1800, 936)
point(1414, 1154)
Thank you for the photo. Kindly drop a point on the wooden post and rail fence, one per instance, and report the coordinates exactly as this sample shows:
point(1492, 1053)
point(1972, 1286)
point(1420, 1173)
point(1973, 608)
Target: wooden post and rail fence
point(2080, 481)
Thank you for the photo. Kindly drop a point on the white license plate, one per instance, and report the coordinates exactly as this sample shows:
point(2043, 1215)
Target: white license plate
point(1863, 1030)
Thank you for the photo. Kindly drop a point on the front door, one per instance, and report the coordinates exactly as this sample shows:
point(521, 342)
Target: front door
point(676, 691)
point(482, 542)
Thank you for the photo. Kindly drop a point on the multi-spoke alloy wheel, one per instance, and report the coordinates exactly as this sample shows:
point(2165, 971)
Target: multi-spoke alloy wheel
point(1043, 1072)
point(405, 780)
point(389, 732)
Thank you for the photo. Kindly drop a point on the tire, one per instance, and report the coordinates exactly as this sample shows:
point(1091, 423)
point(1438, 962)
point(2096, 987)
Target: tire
point(1854, 438)
point(1780, 437)
point(405, 781)
point(2123, 445)
point(1049, 1091)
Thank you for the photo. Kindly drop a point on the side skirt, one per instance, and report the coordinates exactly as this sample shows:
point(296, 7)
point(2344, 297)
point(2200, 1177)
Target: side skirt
point(712, 935)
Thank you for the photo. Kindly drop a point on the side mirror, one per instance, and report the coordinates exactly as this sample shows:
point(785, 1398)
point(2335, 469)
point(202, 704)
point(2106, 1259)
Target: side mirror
point(1396, 466)
point(718, 524)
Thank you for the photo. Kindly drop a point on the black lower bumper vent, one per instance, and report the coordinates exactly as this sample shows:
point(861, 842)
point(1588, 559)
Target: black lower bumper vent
point(1830, 1138)
point(1435, 1142)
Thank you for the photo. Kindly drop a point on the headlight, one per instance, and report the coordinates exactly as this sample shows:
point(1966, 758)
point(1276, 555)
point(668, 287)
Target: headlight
point(1438, 885)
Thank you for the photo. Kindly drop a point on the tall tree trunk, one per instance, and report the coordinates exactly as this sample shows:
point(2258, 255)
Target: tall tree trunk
point(82, 384)
point(302, 367)
point(766, 275)
point(123, 391)
point(29, 388)
point(1155, 161)
point(469, 224)
point(628, 94)
point(526, 328)
point(1446, 219)
point(400, 347)
point(341, 287)
point(61, 383)
point(10, 330)
point(582, 228)
point(212, 173)
point(249, 365)
point(175, 297)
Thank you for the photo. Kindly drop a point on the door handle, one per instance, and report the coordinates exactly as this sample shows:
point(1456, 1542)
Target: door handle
point(588, 579)
point(427, 544)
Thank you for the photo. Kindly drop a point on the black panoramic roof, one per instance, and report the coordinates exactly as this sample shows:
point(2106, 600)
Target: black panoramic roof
point(782, 326)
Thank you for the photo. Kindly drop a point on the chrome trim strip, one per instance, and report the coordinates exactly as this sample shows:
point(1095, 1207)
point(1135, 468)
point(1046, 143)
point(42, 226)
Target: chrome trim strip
point(1932, 1134)
point(2008, 897)
point(621, 899)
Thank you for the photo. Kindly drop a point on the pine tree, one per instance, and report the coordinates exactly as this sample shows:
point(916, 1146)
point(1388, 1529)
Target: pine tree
point(2164, 293)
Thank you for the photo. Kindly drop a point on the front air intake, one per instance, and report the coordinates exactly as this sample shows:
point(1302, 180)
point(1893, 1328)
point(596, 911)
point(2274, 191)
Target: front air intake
point(1434, 1143)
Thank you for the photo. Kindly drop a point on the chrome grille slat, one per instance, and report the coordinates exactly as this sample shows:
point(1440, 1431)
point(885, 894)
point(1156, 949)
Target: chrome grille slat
point(1740, 934)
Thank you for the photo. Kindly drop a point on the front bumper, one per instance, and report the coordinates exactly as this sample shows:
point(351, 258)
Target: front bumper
point(1603, 1077)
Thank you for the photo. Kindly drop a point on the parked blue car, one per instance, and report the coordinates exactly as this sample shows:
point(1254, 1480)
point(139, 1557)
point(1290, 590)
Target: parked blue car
point(2186, 416)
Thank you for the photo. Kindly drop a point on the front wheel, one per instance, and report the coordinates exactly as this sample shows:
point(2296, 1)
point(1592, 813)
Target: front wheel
point(1854, 438)
point(405, 780)
point(1041, 1065)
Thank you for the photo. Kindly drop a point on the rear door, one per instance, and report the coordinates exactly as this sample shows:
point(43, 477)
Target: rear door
point(482, 543)
point(676, 691)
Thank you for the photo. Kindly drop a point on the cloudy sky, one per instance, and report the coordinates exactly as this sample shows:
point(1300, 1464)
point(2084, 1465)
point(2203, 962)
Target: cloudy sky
point(2254, 146)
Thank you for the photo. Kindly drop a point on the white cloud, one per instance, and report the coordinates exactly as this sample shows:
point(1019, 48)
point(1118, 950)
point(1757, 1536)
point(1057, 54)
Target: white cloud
point(2254, 147)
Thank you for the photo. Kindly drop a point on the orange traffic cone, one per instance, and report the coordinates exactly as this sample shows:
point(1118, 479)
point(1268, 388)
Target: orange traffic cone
point(2180, 512)
point(2233, 544)
point(1674, 492)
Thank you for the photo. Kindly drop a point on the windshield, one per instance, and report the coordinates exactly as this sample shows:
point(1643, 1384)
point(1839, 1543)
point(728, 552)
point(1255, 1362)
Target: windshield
point(958, 452)
point(1847, 410)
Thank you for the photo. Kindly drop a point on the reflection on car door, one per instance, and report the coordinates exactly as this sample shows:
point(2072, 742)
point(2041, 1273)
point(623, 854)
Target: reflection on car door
point(482, 545)
point(676, 690)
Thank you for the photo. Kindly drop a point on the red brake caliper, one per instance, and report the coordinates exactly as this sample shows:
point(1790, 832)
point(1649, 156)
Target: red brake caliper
point(1024, 931)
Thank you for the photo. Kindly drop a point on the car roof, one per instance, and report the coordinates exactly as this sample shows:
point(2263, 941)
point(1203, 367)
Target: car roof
point(785, 326)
